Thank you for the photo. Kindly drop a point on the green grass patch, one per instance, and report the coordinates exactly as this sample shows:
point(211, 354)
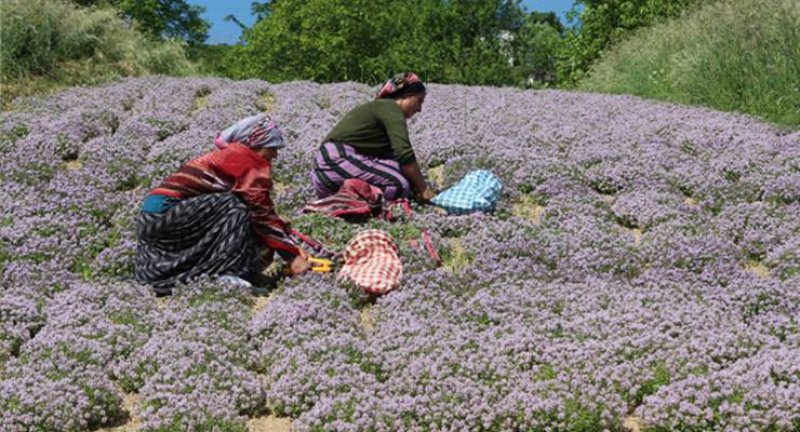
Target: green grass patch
point(49, 45)
point(741, 55)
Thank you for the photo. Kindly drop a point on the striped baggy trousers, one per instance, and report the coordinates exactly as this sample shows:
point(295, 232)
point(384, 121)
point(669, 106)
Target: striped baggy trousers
point(335, 162)
point(209, 234)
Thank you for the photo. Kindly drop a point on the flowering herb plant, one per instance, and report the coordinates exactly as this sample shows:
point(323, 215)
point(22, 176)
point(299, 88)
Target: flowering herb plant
point(644, 261)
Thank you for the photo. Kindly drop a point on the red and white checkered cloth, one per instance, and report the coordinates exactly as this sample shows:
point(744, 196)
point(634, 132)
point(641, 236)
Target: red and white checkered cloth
point(372, 262)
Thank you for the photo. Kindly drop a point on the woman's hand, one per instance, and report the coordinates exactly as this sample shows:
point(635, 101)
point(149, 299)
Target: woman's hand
point(300, 264)
point(425, 196)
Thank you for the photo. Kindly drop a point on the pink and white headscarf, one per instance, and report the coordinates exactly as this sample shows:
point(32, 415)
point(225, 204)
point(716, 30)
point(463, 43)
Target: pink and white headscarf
point(258, 131)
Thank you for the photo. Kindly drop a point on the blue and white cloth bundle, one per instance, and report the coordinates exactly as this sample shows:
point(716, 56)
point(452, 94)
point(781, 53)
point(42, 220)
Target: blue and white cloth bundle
point(479, 190)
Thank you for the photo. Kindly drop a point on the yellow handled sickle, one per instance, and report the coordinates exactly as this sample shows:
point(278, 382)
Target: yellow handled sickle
point(321, 265)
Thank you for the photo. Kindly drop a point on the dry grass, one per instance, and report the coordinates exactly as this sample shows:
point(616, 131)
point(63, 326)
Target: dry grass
point(74, 165)
point(260, 303)
point(528, 209)
point(456, 258)
point(436, 177)
point(636, 233)
point(199, 104)
point(162, 303)
point(367, 320)
point(757, 268)
point(130, 403)
point(269, 424)
point(279, 187)
point(632, 424)
point(268, 101)
point(607, 198)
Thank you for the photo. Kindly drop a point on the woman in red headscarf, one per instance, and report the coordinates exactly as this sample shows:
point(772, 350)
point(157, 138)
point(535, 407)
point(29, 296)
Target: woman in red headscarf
point(214, 216)
point(371, 143)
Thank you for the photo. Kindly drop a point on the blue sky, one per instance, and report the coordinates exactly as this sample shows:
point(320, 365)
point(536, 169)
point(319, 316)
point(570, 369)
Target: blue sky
point(228, 32)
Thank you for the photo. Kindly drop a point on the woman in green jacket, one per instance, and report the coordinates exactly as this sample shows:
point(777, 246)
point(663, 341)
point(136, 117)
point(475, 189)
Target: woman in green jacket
point(371, 143)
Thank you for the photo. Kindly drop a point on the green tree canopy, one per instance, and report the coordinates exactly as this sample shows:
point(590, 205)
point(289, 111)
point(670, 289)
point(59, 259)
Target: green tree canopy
point(453, 41)
point(536, 47)
point(162, 18)
point(549, 18)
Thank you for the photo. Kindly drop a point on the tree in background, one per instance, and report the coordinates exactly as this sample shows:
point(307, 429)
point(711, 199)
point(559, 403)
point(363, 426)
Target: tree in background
point(536, 46)
point(261, 9)
point(162, 19)
point(465, 42)
point(315, 39)
point(548, 18)
point(607, 22)
point(457, 41)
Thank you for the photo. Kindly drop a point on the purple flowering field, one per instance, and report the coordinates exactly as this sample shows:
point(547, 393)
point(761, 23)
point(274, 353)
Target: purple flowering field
point(642, 271)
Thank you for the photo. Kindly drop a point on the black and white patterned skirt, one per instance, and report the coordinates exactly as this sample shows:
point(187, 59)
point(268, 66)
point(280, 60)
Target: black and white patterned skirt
point(210, 234)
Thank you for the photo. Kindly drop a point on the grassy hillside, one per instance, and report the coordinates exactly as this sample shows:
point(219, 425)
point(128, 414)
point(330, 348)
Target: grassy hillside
point(51, 44)
point(741, 55)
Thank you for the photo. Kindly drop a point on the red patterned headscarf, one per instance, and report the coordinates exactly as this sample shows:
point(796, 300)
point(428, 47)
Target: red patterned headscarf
point(400, 85)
